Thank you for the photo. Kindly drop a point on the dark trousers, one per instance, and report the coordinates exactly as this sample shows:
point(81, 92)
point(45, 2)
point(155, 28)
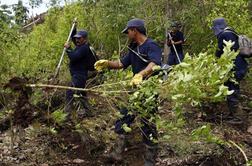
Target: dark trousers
point(77, 82)
point(149, 130)
point(233, 99)
point(173, 59)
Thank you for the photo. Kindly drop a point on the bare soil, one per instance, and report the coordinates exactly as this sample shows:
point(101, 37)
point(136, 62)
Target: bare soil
point(32, 138)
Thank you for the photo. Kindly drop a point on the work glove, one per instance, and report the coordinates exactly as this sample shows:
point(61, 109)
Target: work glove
point(136, 80)
point(101, 65)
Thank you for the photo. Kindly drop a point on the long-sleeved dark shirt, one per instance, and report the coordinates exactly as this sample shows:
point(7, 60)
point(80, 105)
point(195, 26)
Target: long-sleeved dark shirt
point(241, 64)
point(176, 36)
point(80, 58)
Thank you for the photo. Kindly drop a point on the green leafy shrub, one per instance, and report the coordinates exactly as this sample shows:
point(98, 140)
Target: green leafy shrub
point(59, 116)
point(199, 79)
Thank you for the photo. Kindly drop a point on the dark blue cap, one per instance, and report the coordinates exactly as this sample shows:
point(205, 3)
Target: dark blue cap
point(81, 33)
point(134, 23)
point(219, 23)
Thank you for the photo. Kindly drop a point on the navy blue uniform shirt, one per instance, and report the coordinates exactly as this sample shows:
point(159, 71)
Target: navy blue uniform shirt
point(240, 62)
point(177, 36)
point(79, 59)
point(149, 48)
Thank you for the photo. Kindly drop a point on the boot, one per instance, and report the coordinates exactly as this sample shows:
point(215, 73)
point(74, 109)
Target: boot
point(86, 109)
point(85, 104)
point(116, 154)
point(232, 117)
point(150, 155)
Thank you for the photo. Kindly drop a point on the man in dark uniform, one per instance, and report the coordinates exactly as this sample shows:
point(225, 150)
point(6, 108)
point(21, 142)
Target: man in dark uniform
point(140, 46)
point(223, 32)
point(175, 38)
point(80, 58)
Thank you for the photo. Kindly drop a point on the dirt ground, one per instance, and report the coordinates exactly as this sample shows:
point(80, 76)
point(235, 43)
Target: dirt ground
point(32, 138)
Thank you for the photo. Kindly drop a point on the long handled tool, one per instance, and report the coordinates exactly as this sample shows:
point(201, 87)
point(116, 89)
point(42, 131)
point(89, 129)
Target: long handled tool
point(174, 48)
point(64, 50)
point(141, 56)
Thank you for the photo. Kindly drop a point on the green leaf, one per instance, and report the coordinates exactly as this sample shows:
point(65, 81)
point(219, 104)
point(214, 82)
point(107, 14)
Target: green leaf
point(126, 128)
point(59, 116)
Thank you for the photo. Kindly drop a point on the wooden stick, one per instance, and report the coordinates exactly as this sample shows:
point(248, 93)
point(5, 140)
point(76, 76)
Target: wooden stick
point(109, 84)
point(64, 50)
point(238, 147)
point(72, 88)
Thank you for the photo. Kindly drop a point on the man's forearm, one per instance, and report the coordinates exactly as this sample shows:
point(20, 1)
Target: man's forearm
point(148, 70)
point(115, 64)
point(178, 42)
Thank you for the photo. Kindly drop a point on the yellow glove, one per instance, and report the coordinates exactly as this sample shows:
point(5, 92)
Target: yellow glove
point(101, 64)
point(137, 79)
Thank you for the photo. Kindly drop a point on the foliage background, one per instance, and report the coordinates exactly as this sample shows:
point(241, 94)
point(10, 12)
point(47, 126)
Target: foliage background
point(36, 53)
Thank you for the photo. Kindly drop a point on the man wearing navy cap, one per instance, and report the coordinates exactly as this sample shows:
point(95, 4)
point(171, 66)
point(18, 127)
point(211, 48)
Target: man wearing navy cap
point(176, 39)
point(143, 55)
point(223, 32)
point(79, 59)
